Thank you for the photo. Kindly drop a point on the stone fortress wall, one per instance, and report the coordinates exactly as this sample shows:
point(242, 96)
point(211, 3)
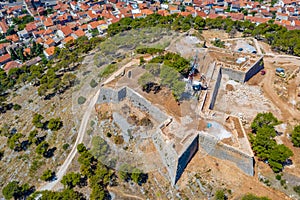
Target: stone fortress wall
point(172, 160)
point(239, 76)
point(175, 162)
point(215, 148)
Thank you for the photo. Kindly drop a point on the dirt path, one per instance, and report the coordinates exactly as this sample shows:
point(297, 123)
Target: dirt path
point(82, 129)
point(122, 194)
point(79, 139)
point(288, 112)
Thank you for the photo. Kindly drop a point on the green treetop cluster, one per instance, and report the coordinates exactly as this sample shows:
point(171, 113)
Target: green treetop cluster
point(264, 144)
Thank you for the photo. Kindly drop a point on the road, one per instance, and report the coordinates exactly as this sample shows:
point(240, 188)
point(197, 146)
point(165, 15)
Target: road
point(26, 6)
point(288, 112)
point(82, 129)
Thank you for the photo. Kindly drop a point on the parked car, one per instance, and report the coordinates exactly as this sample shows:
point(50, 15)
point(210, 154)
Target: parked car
point(263, 72)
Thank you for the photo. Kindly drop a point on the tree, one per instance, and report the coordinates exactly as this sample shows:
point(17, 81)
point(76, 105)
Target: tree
point(146, 78)
point(296, 136)
point(17, 107)
point(14, 142)
point(220, 195)
point(199, 23)
point(12, 189)
point(48, 175)
point(37, 120)
point(71, 179)
point(136, 175)
point(63, 195)
point(125, 172)
point(100, 148)
point(263, 143)
point(16, 191)
point(253, 197)
point(42, 148)
point(81, 100)
point(177, 89)
point(142, 60)
point(297, 189)
point(81, 148)
point(54, 124)
point(279, 154)
point(264, 119)
point(1, 154)
point(32, 137)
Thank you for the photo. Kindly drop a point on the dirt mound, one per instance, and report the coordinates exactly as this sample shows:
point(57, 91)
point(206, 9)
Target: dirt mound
point(229, 87)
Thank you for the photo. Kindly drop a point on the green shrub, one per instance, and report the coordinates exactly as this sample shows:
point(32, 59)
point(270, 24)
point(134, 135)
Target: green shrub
point(278, 177)
point(81, 100)
point(17, 107)
point(47, 175)
point(65, 146)
point(108, 70)
point(93, 83)
point(297, 189)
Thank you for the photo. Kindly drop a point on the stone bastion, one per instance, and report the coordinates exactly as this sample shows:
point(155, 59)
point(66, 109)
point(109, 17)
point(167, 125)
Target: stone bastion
point(175, 143)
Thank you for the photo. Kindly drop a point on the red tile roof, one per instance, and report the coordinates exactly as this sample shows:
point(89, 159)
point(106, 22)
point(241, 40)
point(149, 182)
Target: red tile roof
point(49, 41)
point(163, 12)
point(68, 39)
point(66, 30)
point(13, 38)
point(4, 58)
point(30, 27)
point(236, 16)
point(48, 22)
point(50, 51)
point(94, 24)
point(11, 65)
point(4, 45)
point(147, 12)
point(79, 33)
point(3, 26)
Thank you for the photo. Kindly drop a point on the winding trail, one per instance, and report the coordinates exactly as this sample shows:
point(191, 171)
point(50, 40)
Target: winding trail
point(82, 129)
point(79, 139)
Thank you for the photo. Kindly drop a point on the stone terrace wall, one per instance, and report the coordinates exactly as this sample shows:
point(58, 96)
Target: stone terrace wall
point(220, 150)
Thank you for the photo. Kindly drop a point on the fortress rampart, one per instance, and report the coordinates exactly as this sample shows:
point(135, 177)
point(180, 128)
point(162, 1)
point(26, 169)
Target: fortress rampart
point(216, 148)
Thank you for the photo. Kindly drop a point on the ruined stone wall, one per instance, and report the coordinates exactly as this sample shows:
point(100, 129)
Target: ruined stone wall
point(256, 67)
point(216, 90)
point(140, 102)
point(222, 151)
point(109, 95)
point(186, 156)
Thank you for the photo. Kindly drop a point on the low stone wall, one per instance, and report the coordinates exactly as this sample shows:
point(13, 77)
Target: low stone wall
point(222, 151)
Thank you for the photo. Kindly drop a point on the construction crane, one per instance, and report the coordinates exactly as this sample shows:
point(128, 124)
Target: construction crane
point(194, 66)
